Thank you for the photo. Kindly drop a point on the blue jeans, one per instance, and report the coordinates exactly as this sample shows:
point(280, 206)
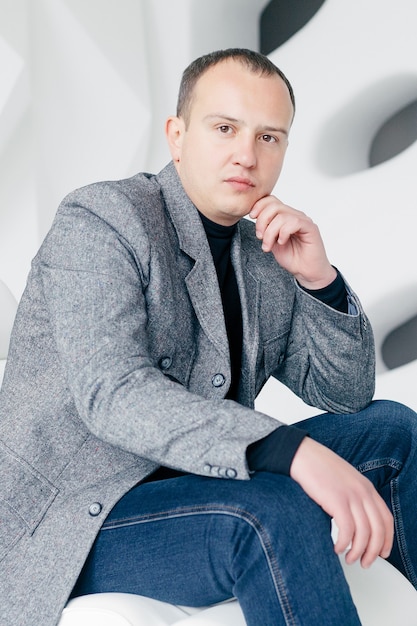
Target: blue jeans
point(196, 541)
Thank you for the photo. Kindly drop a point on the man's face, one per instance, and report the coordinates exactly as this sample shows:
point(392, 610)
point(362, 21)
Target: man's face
point(231, 152)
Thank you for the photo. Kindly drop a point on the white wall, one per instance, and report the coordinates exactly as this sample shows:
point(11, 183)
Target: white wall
point(87, 84)
point(353, 66)
point(85, 88)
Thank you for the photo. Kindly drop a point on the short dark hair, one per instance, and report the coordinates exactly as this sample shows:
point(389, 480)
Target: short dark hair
point(254, 61)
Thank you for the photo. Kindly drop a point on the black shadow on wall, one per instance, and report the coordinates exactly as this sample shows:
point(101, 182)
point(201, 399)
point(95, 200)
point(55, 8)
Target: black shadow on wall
point(281, 19)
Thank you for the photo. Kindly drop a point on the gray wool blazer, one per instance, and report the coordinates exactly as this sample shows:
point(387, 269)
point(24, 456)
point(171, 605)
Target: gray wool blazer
point(119, 363)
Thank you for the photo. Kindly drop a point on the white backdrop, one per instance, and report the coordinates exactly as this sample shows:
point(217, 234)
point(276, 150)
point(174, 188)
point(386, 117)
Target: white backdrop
point(86, 85)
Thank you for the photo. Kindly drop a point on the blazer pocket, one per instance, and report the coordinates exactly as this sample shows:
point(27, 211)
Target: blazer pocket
point(11, 530)
point(24, 492)
point(274, 353)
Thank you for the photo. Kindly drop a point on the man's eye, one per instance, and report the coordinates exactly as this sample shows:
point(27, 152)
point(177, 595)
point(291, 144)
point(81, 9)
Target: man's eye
point(224, 128)
point(269, 138)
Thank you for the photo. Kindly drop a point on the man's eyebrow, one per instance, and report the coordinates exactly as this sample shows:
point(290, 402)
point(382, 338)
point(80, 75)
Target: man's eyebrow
point(273, 129)
point(233, 120)
point(221, 116)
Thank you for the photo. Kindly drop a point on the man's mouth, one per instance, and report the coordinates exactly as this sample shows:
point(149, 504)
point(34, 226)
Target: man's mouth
point(240, 183)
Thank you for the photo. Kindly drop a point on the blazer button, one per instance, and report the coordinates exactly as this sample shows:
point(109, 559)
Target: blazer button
point(95, 509)
point(165, 362)
point(227, 472)
point(218, 380)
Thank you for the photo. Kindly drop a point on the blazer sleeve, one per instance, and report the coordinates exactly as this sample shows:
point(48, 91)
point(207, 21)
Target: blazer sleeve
point(330, 356)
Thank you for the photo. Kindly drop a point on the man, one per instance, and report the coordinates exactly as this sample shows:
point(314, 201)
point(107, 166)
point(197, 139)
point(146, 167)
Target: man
point(132, 458)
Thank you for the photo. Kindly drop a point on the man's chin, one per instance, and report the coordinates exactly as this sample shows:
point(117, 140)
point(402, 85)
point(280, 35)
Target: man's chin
point(234, 214)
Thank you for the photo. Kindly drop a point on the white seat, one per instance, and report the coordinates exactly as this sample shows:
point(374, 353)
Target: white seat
point(382, 595)
point(2, 366)
point(119, 609)
point(122, 609)
point(8, 306)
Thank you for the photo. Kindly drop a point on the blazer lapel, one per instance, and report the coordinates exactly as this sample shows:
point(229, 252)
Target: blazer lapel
point(203, 289)
point(249, 293)
point(201, 282)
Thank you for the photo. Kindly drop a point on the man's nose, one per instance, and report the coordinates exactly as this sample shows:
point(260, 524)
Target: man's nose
point(245, 152)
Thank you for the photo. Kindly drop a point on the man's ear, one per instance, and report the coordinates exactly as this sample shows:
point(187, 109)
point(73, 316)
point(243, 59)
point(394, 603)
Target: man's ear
point(174, 131)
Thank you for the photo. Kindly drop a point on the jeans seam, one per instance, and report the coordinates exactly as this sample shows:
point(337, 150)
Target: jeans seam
point(399, 525)
point(241, 514)
point(377, 463)
point(396, 511)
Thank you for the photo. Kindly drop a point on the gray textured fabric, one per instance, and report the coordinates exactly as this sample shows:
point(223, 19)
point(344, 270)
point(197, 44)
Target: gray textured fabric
point(112, 371)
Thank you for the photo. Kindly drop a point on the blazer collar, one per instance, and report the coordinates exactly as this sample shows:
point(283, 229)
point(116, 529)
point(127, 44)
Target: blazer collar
point(183, 213)
point(201, 281)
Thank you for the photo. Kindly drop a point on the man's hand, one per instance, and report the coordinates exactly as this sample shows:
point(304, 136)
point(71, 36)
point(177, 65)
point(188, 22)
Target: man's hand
point(364, 521)
point(294, 240)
